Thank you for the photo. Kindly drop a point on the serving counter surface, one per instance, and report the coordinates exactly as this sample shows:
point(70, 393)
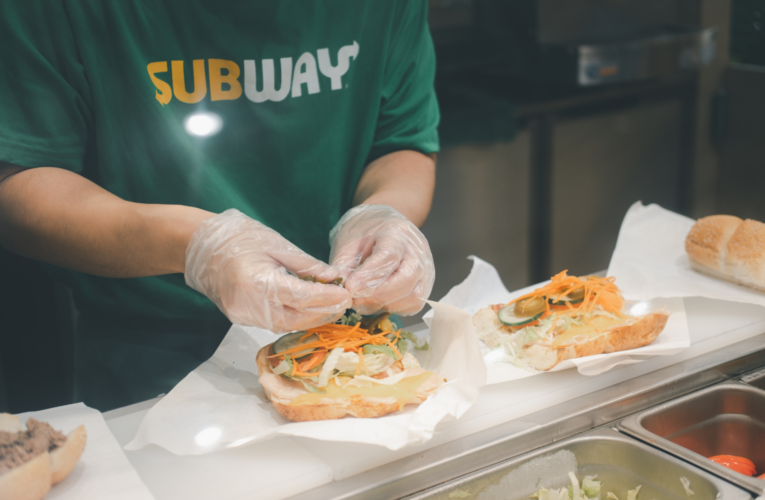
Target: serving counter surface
point(727, 339)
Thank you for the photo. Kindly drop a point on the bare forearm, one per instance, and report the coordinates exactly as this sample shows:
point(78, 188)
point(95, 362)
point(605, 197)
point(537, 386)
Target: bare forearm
point(59, 217)
point(404, 180)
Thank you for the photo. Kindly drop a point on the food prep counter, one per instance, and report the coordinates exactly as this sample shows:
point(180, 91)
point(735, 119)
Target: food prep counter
point(509, 421)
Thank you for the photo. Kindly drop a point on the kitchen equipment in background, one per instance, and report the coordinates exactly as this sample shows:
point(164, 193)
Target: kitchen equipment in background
point(725, 419)
point(578, 42)
point(621, 464)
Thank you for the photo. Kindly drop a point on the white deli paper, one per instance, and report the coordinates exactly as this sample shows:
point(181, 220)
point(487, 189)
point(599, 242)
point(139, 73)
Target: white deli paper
point(650, 260)
point(483, 287)
point(221, 403)
point(103, 470)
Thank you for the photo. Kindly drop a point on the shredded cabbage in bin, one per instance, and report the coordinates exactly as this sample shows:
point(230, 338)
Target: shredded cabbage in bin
point(588, 490)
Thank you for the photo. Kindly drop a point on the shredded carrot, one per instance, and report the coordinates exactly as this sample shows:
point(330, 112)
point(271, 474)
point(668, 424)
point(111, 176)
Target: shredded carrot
point(332, 336)
point(361, 363)
point(598, 291)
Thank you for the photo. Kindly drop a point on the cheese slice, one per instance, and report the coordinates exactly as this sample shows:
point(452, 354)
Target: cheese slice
point(402, 391)
point(598, 325)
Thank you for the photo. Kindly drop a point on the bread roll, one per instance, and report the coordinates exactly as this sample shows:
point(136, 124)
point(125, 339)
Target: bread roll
point(633, 333)
point(280, 391)
point(727, 247)
point(33, 479)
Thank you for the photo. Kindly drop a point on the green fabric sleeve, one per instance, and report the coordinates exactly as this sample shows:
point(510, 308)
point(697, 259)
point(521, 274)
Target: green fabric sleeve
point(44, 95)
point(409, 116)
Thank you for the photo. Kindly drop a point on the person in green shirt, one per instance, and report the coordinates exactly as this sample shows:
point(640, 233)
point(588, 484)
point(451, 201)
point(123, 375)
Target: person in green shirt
point(179, 164)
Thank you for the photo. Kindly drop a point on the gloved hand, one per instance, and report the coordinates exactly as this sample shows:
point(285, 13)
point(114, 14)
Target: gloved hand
point(384, 258)
point(242, 265)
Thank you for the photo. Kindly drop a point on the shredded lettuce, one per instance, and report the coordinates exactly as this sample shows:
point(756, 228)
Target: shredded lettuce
point(575, 485)
point(380, 349)
point(459, 494)
point(409, 361)
point(406, 334)
point(632, 494)
point(591, 487)
point(329, 366)
point(403, 346)
point(350, 318)
point(283, 367)
point(589, 490)
point(364, 381)
point(545, 494)
point(375, 363)
point(687, 486)
point(611, 495)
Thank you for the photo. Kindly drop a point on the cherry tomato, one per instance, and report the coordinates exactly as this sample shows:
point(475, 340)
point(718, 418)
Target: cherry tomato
point(739, 464)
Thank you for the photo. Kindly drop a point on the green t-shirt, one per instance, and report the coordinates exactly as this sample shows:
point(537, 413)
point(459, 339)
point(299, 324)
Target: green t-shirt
point(304, 93)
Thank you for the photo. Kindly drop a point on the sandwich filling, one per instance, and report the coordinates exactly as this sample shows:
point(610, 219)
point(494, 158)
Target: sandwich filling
point(567, 311)
point(356, 358)
point(18, 448)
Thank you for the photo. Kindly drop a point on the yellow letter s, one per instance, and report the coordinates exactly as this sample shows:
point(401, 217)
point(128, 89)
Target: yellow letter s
point(164, 93)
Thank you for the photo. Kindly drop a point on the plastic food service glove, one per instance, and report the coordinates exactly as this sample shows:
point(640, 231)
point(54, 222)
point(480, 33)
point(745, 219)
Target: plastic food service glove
point(384, 258)
point(242, 266)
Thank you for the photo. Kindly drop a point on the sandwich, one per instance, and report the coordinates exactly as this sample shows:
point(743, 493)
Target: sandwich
point(727, 247)
point(360, 367)
point(33, 460)
point(568, 318)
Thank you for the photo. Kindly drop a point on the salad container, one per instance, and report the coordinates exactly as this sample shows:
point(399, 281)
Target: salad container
point(620, 463)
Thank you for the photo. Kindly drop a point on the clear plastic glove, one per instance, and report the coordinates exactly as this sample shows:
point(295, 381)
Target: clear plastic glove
point(384, 258)
point(242, 266)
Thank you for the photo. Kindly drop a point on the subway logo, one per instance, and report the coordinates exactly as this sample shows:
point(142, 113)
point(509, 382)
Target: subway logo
point(259, 83)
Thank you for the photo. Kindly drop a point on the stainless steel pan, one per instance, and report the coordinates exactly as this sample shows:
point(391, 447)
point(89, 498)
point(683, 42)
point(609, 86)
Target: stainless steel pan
point(620, 462)
point(724, 419)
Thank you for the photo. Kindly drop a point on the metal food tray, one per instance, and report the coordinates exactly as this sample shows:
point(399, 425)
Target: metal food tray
point(620, 462)
point(724, 419)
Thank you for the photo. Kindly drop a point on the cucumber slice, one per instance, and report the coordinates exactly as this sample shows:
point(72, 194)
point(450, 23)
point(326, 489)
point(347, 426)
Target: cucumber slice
point(290, 340)
point(565, 301)
point(507, 316)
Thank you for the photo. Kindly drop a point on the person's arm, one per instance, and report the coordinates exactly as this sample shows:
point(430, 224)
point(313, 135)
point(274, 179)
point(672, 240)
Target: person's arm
point(59, 217)
point(376, 245)
point(403, 180)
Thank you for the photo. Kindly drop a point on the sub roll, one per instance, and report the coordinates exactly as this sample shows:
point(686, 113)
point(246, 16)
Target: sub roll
point(727, 247)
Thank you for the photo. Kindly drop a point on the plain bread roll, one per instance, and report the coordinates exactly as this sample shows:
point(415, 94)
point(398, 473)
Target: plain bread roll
point(730, 248)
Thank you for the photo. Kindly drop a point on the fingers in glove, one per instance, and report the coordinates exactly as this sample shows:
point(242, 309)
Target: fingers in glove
point(297, 294)
point(414, 302)
point(293, 319)
point(280, 308)
point(260, 290)
point(350, 257)
point(379, 294)
point(386, 257)
point(301, 264)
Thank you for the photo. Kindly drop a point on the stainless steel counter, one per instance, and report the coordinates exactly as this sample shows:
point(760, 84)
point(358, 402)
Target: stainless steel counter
point(468, 454)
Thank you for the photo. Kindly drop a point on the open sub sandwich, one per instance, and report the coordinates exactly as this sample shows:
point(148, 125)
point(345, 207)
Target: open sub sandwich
point(357, 367)
point(568, 318)
point(35, 458)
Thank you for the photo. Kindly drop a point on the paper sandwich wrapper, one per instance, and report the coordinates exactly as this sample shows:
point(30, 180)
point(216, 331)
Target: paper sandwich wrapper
point(650, 260)
point(483, 287)
point(221, 404)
